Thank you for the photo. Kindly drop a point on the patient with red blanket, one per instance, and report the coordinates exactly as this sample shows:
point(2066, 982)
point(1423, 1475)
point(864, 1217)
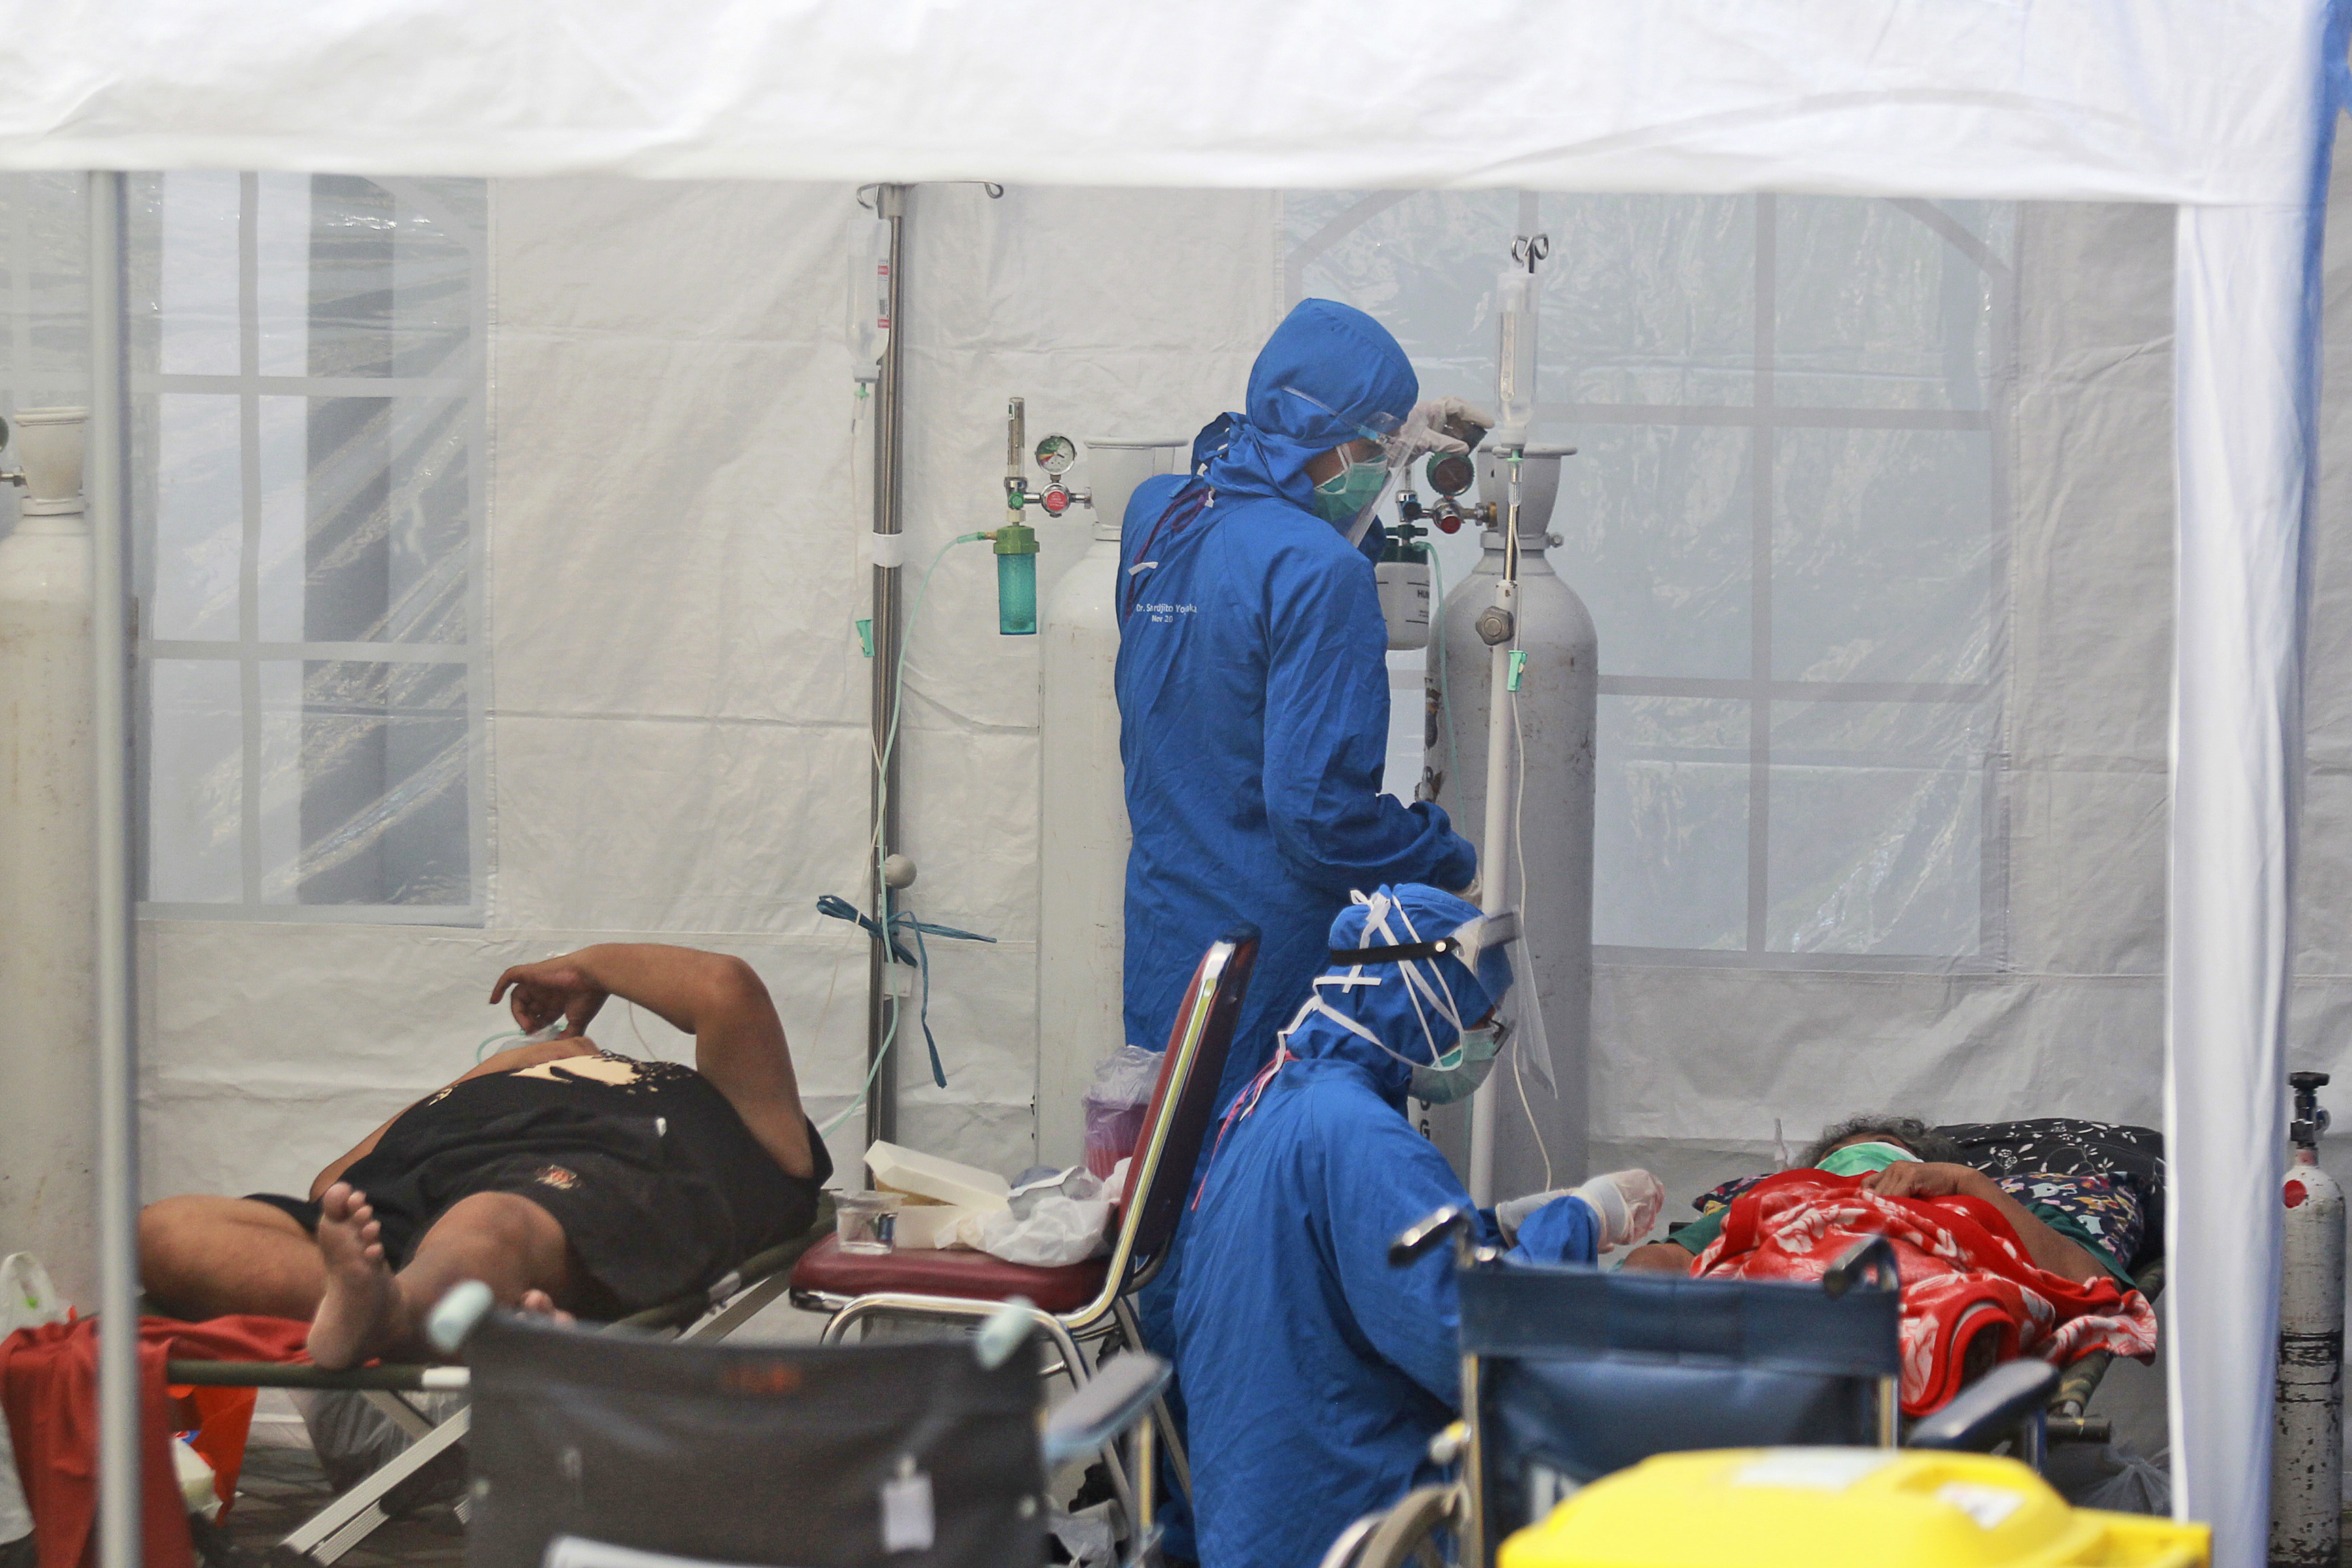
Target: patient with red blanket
point(1986, 1276)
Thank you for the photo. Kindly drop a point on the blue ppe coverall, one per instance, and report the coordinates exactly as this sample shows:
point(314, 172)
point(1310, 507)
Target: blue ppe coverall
point(1253, 694)
point(1315, 1373)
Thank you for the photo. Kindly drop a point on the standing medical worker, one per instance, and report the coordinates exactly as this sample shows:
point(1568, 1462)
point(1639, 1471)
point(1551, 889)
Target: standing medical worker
point(1252, 679)
point(1315, 1374)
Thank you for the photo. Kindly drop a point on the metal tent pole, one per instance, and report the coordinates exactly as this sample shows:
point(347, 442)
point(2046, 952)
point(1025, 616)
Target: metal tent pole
point(882, 1097)
point(108, 488)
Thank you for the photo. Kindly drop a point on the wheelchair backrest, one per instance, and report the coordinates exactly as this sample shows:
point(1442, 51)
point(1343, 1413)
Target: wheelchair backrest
point(1583, 1372)
point(909, 1453)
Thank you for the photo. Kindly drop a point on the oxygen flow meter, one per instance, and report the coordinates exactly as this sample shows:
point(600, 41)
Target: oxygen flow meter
point(1016, 542)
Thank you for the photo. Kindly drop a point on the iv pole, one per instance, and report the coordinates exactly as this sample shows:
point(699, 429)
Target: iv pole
point(1499, 626)
point(107, 490)
point(881, 998)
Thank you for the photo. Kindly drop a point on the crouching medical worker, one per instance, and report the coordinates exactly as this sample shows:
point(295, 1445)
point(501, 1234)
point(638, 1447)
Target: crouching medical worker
point(1252, 678)
point(1315, 1373)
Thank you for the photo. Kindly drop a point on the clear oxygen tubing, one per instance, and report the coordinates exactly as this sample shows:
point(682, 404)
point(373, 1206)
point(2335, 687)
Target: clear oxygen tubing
point(107, 486)
point(885, 754)
point(1520, 876)
point(1493, 880)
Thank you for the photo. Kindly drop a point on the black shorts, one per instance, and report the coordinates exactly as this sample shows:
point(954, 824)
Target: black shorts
point(646, 1219)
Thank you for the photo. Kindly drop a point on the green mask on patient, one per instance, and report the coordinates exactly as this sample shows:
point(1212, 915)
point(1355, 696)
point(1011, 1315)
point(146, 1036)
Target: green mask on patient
point(1859, 1159)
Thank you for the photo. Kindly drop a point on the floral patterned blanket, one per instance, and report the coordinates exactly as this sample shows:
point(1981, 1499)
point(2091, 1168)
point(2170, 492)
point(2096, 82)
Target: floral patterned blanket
point(1964, 1274)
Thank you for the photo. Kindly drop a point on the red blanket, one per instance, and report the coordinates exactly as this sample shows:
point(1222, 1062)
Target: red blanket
point(49, 1385)
point(1964, 1273)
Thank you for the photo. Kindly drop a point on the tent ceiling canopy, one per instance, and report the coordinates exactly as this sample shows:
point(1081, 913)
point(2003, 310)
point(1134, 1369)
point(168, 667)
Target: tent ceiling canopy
point(2201, 102)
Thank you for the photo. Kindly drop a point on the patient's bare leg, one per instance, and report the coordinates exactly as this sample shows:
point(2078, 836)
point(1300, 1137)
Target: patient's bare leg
point(203, 1256)
point(509, 1243)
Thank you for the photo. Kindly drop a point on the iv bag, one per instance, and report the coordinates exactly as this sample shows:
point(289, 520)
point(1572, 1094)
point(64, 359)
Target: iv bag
point(1517, 301)
point(868, 298)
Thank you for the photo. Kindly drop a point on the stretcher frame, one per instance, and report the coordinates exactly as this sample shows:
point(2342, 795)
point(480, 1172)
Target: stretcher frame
point(360, 1510)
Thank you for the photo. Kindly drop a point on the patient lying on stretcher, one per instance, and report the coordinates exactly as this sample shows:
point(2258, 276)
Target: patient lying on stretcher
point(566, 1177)
point(1986, 1276)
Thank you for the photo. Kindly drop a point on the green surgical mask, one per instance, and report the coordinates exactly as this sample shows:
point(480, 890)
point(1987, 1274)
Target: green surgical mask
point(1339, 498)
point(1858, 1159)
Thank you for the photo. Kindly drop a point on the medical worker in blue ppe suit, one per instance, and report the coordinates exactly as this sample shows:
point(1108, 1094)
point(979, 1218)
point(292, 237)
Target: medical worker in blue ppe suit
point(1253, 698)
point(1315, 1373)
point(1252, 679)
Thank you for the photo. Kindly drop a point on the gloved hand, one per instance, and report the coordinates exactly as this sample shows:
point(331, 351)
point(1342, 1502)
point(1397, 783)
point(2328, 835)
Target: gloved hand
point(1427, 427)
point(1628, 1203)
point(1512, 1213)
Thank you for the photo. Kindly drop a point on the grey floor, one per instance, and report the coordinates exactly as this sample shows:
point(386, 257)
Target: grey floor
point(283, 1485)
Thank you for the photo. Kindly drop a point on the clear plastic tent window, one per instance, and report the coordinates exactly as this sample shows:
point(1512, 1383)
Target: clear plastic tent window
point(1786, 516)
point(308, 397)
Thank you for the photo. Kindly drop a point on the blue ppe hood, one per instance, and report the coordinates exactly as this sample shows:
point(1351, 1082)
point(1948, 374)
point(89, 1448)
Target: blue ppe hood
point(1415, 913)
point(1336, 355)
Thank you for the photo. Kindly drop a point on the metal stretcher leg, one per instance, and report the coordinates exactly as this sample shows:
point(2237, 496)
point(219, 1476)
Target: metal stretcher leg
point(745, 1306)
point(413, 1423)
point(353, 1516)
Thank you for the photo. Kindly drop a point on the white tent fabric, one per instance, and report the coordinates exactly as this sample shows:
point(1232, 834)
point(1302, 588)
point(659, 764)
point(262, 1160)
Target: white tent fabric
point(2221, 107)
point(2203, 103)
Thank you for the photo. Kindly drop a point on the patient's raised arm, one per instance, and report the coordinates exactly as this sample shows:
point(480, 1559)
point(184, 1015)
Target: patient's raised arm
point(738, 1041)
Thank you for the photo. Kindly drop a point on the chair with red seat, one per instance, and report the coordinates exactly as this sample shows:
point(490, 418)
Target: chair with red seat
point(1081, 1300)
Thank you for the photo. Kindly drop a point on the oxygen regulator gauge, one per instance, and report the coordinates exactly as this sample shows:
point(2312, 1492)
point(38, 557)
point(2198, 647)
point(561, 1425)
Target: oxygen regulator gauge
point(1450, 473)
point(1054, 454)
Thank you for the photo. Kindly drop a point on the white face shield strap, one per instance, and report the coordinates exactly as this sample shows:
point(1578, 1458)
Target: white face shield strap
point(1416, 961)
point(1466, 942)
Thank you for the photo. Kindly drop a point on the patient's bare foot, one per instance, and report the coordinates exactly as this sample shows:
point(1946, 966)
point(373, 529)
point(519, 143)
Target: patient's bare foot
point(539, 1304)
point(359, 1315)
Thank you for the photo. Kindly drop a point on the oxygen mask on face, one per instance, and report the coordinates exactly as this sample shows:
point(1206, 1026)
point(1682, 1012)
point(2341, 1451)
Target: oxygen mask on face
point(1861, 1159)
point(1369, 466)
point(1443, 1082)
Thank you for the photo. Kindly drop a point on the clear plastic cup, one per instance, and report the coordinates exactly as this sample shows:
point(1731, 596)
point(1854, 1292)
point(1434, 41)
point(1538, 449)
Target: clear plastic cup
point(865, 1221)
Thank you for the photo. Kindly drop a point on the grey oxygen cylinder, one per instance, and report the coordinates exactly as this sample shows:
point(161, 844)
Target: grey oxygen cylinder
point(2307, 1439)
point(1540, 1128)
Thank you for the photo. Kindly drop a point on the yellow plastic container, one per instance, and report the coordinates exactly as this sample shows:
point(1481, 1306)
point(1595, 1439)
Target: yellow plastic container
point(1841, 1507)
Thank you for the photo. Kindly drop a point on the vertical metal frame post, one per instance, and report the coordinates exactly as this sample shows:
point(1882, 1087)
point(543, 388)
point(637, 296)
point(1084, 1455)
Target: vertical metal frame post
point(107, 484)
point(881, 1004)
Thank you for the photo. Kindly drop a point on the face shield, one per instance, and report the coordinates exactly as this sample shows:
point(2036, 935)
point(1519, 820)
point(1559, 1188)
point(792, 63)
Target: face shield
point(1369, 468)
point(1431, 993)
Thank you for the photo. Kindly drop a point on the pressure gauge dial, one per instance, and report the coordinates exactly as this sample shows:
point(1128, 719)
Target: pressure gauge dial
point(1450, 473)
point(1056, 453)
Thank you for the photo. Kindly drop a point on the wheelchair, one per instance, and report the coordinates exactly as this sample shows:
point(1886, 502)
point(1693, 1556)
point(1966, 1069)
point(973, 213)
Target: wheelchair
point(1569, 1374)
point(599, 1451)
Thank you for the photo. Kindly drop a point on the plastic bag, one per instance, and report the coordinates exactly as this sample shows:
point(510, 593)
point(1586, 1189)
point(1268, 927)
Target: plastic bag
point(1115, 1105)
point(2138, 1486)
point(1086, 1535)
point(353, 1439)
point(28, 1297)
point(1047, 1223)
